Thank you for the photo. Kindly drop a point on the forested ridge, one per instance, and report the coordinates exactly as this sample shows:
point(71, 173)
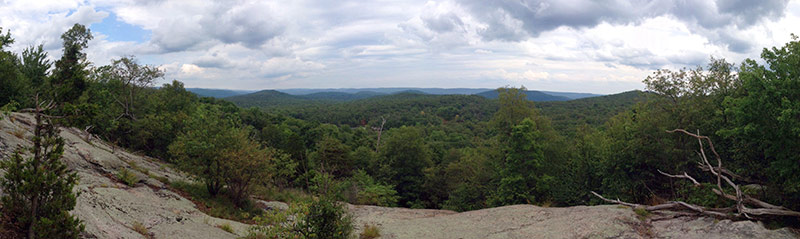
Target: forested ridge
point(457, 152)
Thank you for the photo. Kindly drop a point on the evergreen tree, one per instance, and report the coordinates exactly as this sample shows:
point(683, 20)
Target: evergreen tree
point(35, 66)
point(38, 190)
point(13, 85)
point(69, 76)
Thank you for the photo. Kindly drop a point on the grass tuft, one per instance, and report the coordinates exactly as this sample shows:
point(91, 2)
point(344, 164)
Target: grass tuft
point(641, 213)
point(127, 177)
point(370, 232)
point(226, 227)
point(141, 229)
point(19, 132)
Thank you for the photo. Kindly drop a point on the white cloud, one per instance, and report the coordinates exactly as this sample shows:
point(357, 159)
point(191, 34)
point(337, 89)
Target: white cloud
point(191, 69)
point(547, 45)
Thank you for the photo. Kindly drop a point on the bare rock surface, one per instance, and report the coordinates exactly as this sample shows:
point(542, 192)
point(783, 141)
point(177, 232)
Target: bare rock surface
point(528, 221)
point(110, 209)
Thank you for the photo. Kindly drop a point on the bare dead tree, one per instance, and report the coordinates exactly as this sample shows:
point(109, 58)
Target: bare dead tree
point(380, 131)
point(746, 206)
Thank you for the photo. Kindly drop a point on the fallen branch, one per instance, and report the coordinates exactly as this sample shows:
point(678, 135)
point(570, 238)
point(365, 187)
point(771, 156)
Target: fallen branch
point(740, 211)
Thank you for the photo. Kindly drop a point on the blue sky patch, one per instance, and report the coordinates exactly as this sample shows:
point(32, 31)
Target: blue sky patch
point(120, 31)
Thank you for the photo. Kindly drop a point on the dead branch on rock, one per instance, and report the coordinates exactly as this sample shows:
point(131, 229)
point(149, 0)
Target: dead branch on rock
point(724, 179)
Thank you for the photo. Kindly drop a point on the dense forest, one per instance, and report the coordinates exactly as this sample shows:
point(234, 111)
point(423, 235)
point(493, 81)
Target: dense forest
point(457, 152)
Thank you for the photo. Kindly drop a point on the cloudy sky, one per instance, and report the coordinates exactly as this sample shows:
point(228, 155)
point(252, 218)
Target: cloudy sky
point(601, 46)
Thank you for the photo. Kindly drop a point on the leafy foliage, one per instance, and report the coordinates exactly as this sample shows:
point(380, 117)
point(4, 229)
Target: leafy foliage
point(322, 218)
point(37, 191)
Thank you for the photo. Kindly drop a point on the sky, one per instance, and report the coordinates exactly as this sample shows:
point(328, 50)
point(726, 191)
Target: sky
point(600, 46)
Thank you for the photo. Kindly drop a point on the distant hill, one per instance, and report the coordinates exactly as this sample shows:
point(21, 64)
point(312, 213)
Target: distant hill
point(217, 93)
point(593, 111)
point(341, 96)
point(570, 95)
point(404, 108)
point(432, 91)
point(348, 94)
point(267, 99)
point(411, 107)
point(536, 96)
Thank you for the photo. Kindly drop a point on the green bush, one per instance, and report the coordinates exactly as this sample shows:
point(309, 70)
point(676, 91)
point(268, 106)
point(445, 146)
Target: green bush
point(226, 227)
point(279, 224)
point(127, 177)
point(322, 218)
point(370, 232)
point(216, 206)
point(370, 192)
point(327, 219)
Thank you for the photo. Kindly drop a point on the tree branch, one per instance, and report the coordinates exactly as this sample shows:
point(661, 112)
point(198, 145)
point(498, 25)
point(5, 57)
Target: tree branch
point(740, 211)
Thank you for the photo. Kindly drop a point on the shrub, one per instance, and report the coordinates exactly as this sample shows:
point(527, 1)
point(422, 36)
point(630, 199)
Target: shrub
point(322, 218)
point(221, 207)
point(370, 192)
point(127, 177)
point(226, 227)
point(370, 232)
point(141, 229)
point(279, 224)
point(326, 218)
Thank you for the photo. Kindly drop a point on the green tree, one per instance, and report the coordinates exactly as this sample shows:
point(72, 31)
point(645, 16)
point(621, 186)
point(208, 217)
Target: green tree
point(522, 176)
point(14, 84)
point(36, 66)
point(245, 163)
point(468, 180)
point(167, 111)
point(514, 107)
point(199, 150)
point(766, 120)
point(333, 157)
point(69, 75)
point(129, 79)
point(404, 158)
point(38, 190)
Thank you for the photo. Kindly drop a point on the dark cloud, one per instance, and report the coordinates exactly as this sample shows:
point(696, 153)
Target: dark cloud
point(515, 20)
point(645, 59)
point(536, 16)
point(247, 24)
point(212, 62)
point(502, 26)
point(733, 43)
point(177, 34)
point(639, 58)
point(443, 23)
point(748, 12)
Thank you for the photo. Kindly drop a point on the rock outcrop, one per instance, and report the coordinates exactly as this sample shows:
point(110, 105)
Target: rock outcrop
point(528, 221)
point(109, 208)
